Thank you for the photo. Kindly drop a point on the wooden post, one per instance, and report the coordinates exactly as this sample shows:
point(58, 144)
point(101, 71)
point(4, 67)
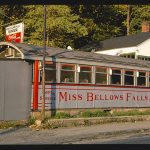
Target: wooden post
point(43, 70)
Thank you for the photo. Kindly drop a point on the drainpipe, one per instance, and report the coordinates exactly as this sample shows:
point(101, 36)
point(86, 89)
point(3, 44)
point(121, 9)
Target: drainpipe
point(35, 86)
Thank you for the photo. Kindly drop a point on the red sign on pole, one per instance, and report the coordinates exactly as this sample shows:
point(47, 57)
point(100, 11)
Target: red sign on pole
point(15, 33)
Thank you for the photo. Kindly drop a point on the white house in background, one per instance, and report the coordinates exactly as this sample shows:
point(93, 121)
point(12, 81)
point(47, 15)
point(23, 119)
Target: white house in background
point(132, 46)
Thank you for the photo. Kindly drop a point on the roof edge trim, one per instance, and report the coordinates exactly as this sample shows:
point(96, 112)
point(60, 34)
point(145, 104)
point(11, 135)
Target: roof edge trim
point(15, 47)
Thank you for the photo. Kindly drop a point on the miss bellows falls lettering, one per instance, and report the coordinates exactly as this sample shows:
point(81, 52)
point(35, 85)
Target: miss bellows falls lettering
point(60, 96)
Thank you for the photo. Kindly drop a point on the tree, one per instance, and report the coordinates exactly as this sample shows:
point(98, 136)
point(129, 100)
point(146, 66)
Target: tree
point(62, 27)
point(102, 21)
point(9, 15)
point(139, 14)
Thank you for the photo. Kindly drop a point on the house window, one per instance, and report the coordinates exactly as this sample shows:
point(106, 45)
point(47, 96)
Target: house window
point(130, 55)
point(67, 73)
point(129, 77)
point(50, 72)
point(101, 75)
point(115, 78)
point(85, 74)
point(149, 80)
point(141, 79)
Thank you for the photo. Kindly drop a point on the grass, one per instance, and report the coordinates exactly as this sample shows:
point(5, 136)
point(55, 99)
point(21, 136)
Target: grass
point(60, 115)
point(64, 115)
point(100, 113)
point(130, 113)
point(31, 120)
point(12, 124)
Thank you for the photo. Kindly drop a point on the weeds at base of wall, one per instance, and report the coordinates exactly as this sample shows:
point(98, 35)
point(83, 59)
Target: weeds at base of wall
point(99, 113)
point(31, 120)
point(49, 126)
point(45, 124)
point(87, 123)
point(12, 124)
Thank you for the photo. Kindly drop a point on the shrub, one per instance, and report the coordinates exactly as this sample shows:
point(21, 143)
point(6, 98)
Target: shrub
point(87, 113)
point(60, 115)
point(100, 113)
point(31, 120)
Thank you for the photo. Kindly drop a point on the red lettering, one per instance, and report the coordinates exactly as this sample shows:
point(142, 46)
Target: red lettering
point(116, 97)
point(146, 98)
point(96, 97)
point(62, 96)
point(69, 96)
point(128, 96)
point(111, 97)
point(79, 97)
point(121, 97)
point(74, 97)
point(89, 96)
point(101, 98)
point(106, 97)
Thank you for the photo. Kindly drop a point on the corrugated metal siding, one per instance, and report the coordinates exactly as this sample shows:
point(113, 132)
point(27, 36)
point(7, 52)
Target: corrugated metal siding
point(15, 90)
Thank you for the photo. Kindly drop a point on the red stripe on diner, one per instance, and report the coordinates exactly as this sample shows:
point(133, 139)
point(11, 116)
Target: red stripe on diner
point(93, 89)
point(95, 85)
point(135, 87)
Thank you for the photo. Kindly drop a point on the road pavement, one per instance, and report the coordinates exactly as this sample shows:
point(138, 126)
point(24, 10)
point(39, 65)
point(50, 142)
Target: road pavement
point(73, 135)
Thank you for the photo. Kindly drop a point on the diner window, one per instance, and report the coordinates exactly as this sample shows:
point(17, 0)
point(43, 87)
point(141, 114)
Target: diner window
point(149, 80)
point(115, 78)
point(85, 74)
point(101, 75)
point(129, 77)
point(67, 73)
point(141, 79)
point(50, 72)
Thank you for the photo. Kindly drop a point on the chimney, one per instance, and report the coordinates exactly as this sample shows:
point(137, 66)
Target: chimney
point(145, 26)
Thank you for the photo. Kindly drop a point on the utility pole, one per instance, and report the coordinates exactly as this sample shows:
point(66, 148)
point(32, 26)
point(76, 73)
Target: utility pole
point(43, 69)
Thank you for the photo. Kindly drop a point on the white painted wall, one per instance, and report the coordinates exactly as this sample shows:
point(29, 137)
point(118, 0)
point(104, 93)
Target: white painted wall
point(144, 48)
point(118, 51)
point(141, 49)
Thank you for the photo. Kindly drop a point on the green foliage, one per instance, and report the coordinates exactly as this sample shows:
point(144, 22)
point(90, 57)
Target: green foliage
point(11, 124)
point(100, 113)
point(10, 15)
point(62, 27)
point(102, 21)
point(97, 113)
point(60, 115)
point(31, 120)
point(75, 25)
point(131, 113)
point(87, 123)
point(87, 113)
point(139, 13)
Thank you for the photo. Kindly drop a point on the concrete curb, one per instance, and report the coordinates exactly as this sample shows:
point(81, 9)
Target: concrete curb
point(95, 120)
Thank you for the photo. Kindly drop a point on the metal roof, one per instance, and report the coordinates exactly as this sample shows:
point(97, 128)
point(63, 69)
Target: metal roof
point(118, 42)
point(36, 51)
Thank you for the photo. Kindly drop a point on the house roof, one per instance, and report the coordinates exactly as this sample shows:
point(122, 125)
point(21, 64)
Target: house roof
point(35, 52)
point(118, 42)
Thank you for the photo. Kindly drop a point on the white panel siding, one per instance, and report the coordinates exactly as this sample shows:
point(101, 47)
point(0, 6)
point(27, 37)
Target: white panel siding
point(144, 48)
